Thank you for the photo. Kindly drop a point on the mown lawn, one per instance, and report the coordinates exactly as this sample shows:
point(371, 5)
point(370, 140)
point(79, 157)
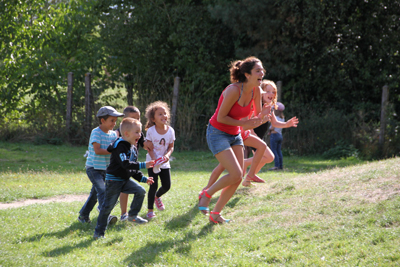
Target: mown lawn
point(315, 213)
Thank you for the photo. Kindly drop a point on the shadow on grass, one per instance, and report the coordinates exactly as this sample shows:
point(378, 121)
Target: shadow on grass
point(183, 221)
point(76, 228)
point(147, 255)
point(84, 244)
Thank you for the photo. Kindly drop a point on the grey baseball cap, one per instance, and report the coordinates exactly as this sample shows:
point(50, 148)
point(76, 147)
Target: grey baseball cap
point(107, 110)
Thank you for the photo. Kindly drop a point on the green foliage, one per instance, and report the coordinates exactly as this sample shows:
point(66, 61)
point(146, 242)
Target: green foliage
point(333, 58)
point(155, 41)
point(43, 42)
point(342, 149)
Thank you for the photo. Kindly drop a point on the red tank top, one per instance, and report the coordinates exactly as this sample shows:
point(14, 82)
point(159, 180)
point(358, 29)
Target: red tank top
point(237, 112)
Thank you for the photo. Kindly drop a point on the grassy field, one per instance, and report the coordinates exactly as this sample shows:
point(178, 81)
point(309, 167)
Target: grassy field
point(315, 213)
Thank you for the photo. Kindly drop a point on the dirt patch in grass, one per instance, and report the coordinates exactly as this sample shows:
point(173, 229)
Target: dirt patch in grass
point(27, 202)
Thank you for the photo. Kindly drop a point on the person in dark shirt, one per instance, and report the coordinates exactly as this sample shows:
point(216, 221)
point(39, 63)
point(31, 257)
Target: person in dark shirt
point(123, 166)
point(131, 112)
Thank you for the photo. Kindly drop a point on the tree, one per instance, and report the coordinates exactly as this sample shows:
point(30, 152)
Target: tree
point(43, 42)
point(154, 41)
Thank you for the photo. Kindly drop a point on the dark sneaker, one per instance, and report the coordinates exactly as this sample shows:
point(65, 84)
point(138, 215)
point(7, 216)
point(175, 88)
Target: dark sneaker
point(97, 236)
point(124, 217)
point(83, 219)
point(112, 220)
point(137, 219)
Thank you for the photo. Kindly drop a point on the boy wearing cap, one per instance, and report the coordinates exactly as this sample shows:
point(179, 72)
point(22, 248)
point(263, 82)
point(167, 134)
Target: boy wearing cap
point(98, 159)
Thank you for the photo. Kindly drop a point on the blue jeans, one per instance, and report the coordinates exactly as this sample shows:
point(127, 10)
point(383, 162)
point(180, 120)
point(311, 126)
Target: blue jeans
point(276, 146)
point(113, 189)
point(219, 141)
point(97, 177)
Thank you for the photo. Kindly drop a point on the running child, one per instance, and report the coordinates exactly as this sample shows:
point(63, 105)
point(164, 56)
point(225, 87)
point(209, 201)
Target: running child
point(98, 159)
point(269, 98)
point(163, 137)
point(123, 161)
point(131, 112)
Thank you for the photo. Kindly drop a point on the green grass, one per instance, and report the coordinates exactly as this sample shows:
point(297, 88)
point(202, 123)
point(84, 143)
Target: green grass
point(315, 213)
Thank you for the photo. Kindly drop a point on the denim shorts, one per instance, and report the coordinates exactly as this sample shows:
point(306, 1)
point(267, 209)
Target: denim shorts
point(219, 141)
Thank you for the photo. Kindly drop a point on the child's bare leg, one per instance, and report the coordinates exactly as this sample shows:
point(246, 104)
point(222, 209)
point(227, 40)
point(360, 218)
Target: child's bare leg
point(123, 202)
point(214, 175)
point(247, 163)
point(260, 145)
point(268, 157)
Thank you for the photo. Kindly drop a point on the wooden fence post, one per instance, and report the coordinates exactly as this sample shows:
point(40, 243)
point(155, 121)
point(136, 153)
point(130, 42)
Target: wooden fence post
point(68, 118)
point(385, 100)
point(175, 100)
point(279, 88)
point(88, 103)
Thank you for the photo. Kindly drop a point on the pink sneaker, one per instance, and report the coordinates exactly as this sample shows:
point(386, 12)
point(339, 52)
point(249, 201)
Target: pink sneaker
point(159, 204)
point(150, 215)
point(255, 179)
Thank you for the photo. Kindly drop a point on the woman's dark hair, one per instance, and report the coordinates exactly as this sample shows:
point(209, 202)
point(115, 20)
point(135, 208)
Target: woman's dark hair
point(239, 67)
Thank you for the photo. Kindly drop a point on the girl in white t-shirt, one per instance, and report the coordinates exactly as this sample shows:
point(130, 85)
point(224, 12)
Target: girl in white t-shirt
point(163, 137)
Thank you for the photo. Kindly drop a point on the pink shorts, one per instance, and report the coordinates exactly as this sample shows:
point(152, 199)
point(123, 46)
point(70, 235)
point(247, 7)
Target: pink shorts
point(245, 134)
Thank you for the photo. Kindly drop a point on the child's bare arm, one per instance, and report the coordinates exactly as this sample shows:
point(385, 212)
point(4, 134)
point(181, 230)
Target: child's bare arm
point(169, 151)
point(98, 150)
point(152, 154)
point(278, 124)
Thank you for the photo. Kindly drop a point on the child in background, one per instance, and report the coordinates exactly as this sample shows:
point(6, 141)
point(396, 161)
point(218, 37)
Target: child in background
point(131, 112)
point(98, 160)
point(123, 161)
point(163, 137)
point(276, 138)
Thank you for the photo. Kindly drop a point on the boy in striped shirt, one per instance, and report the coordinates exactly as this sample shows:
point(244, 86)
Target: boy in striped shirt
point(98, 160)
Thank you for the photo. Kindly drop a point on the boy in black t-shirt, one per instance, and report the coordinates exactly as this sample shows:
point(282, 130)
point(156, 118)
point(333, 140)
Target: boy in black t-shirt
point(123, 160)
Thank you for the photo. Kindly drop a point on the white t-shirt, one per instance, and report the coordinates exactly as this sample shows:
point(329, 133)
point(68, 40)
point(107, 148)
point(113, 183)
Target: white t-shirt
point(160, 143)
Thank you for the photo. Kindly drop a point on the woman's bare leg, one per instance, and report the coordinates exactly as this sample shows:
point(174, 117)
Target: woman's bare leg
point(232, 161)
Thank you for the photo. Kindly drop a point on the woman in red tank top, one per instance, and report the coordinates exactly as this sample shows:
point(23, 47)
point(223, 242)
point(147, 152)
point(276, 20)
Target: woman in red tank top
point(223, 132)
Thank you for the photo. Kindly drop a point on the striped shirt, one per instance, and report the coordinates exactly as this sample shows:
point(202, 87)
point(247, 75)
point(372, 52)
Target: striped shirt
point(99, 162)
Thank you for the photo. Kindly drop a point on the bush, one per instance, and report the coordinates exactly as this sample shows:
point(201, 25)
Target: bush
point(341, 150)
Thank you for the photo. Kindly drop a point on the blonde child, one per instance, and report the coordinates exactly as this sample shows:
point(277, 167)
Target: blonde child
point(123, 165)
point(163, 137)
point(269, 97)
point(131, 112)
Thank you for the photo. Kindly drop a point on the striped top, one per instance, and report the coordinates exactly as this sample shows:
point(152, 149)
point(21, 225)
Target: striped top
point(99, 162)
